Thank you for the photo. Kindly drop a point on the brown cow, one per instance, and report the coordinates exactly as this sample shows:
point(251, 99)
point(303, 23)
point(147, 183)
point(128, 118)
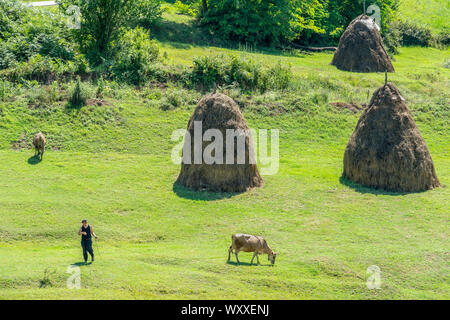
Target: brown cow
point(39, 142)
point(249, 243)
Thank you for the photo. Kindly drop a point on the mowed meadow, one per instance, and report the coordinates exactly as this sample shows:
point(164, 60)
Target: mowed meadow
point(111, 164)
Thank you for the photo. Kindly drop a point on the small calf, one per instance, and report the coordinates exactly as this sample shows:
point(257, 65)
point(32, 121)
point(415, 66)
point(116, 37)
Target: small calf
point(250, 243)
point(39, 142)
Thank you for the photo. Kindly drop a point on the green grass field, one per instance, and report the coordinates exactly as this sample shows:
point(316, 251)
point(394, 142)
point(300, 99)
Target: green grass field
point(111, 164)
point(434, 13)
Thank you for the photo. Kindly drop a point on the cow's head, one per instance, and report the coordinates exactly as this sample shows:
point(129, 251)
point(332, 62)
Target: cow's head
point(272, 256)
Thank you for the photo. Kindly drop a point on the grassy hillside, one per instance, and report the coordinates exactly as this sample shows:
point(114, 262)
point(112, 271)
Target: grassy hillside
point(434, 13)
point(111, 164)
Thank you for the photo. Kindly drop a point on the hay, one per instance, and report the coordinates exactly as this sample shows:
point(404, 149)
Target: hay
point(361, 48)
point(218, 111)
point(386, 150)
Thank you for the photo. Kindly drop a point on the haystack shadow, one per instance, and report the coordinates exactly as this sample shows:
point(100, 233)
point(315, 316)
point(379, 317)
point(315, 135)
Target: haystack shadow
point(364, 189)
point(33, 160)
point(191, 194)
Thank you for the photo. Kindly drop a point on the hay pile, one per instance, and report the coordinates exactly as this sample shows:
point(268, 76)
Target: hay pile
point(386, 149)
point(361, 48)
point(218, 111)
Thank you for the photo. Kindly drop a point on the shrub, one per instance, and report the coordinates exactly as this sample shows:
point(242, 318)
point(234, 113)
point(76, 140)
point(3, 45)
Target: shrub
point(189, 9)
point(42, 69)
point(46, 280)
point(271, 22)
point(11, 17)
point(392, 39)
point(103, 23)
point(6, 90)
point(278, 77)
point(7, 58)
point(172, 100)
point(100, 87)
point(444, 37)
point(136, 52)
point(79, 95)
point(220, 70)
point(413, 34)
point(251, 21)
point(35, 44)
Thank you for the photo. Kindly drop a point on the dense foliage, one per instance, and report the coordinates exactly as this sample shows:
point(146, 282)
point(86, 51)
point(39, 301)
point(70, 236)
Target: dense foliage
point(271, 22)
point(135, 57)
point(105, 21)
point(25, 34)
point(113, 38)
point(251, 21)
point(230, 70)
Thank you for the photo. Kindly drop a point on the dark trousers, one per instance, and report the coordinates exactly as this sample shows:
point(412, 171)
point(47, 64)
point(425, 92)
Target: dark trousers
point(87, 247)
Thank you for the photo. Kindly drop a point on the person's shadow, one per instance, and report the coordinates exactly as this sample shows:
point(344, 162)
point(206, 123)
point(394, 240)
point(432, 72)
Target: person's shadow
point(34, 160)
point(81, 264)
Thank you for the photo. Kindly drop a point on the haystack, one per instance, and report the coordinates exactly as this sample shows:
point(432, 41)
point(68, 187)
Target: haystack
point(361, 48)
point(218, 111)
point(386, 150)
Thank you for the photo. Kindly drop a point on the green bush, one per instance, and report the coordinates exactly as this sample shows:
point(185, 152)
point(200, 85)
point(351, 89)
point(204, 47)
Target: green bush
point(101, 84)
point(278, 77)
point(189, 8)
point(6, 90)
point(413, 34)
point(136, 53)
point(41, 69)
point(220, 70)
point(272, 22)
point(79, 95)
point(35, 44)
point(444, 37)
point(104, 23)
point(392, 39)
point(12, 13)
point(25, 32)
point(7, 58)
point(252, 21)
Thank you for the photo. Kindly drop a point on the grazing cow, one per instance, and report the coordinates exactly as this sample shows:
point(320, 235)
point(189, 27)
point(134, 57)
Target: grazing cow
point(39, 142)
point(249, 243)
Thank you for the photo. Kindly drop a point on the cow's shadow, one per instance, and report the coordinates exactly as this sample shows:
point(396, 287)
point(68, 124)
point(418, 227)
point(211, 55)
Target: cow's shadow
point(247, 264)
point(34, 160)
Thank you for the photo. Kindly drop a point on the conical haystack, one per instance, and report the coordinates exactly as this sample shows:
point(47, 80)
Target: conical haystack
point(361, 48)
point(220, 112)
point(386, 150)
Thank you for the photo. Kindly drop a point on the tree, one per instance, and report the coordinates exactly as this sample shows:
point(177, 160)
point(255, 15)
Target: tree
point(251, 21)
point(104, 21)
point(204, 6)
point(269, 22)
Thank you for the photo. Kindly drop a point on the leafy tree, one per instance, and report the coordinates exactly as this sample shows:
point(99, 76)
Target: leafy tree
point(136, 54)
point(271, 22)
point(249, 21)
point(104, 21)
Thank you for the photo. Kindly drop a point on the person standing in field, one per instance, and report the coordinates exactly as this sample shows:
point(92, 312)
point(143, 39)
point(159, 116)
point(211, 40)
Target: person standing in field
point(86, 231)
